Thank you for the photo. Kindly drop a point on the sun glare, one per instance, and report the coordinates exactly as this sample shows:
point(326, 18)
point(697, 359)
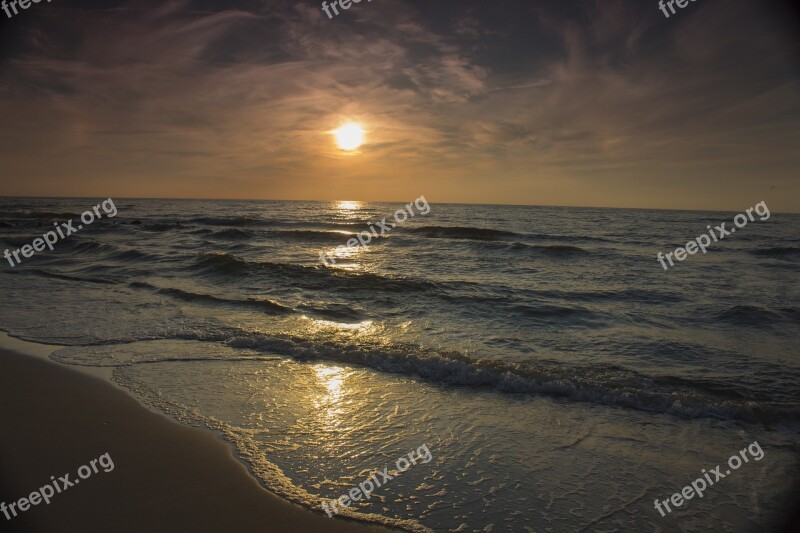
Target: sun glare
point(349, 136)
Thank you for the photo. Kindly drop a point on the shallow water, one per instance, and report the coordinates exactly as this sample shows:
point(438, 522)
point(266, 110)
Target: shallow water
point(559, 376)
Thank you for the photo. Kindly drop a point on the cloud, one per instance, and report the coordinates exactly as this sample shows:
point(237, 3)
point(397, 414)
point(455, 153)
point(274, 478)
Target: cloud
point(479, 102)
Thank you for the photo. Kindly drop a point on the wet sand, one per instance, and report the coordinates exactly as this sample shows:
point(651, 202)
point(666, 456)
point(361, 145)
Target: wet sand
point(166, 477)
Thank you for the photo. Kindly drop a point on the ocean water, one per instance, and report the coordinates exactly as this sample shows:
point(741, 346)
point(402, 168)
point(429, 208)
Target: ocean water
point(561, 379)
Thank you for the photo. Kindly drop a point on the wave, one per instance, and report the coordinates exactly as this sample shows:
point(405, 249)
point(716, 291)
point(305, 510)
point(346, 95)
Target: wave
point(108, 251)
point(152, 351)
point(131, 255)
point(567, 238)
point(552, 312)
point(18, 242)
point(263, 305)
point(64, 277)
point(236, 221)
point(334, 311)
point(459, 232)
point(295, 229)
point(499, 295)
point(751, 315)
point(160, 226)
point(315, 277)
point(252, 303)
point(628, 295)
point(86, 246)
point(222, 263)
point(334, 237)
point(487, 234)
point(232, 234)
point(548, 249)
point(601, 384)
point(347, 281)
point(786, 252)
point(80, 245)
point(543, 313)
point(351, 227)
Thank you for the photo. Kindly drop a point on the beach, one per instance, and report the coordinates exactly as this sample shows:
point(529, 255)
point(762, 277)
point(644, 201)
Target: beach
point(560, 378)
point(167, 477)
point(454, 267)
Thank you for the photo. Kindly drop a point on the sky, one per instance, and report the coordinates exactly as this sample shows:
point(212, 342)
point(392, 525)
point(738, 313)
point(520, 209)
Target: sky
point(602, 103)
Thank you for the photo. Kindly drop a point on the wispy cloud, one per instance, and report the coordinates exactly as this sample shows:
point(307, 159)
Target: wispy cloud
point(599, 104)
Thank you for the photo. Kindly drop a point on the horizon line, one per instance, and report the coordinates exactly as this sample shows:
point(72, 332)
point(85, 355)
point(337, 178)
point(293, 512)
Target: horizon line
point(386, 202)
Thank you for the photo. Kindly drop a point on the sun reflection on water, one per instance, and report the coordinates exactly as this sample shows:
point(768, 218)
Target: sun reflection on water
point(365, 327)
point(348, 205)
point(332, 378)
point(330, 411)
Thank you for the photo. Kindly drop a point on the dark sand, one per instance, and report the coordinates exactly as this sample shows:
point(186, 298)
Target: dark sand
point(167, 477)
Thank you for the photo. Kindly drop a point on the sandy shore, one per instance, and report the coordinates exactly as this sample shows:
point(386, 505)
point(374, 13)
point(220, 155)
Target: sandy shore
point(166, 477)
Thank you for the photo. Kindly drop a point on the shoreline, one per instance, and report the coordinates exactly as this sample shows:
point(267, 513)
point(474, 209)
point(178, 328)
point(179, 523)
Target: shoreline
point(166, 475)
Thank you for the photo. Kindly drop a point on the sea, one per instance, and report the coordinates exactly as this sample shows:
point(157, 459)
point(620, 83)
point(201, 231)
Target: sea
point(561, 378)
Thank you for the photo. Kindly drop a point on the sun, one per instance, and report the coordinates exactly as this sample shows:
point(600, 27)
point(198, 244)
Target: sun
point(349, 136)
